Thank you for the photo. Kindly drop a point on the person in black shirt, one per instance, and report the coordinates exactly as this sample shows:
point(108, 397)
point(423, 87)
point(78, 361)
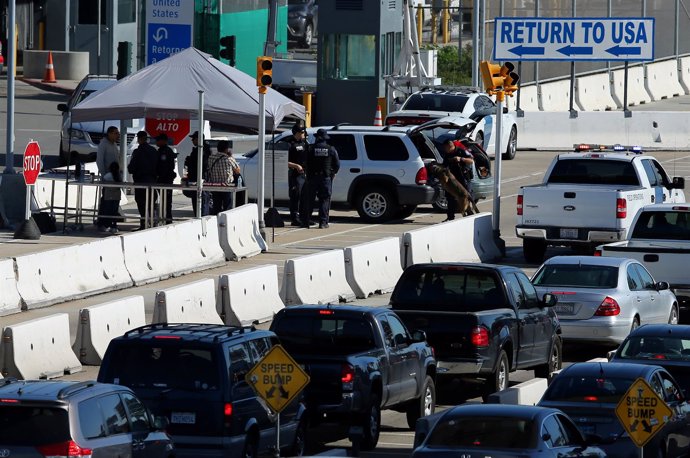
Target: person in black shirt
point(297, 162)
point(459, 162)
point(166, 172)
point(323, 164)
point(144, 170)
point(190, 164)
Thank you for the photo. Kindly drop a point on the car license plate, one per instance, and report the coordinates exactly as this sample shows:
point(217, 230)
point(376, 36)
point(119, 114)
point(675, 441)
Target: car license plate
point(565, 309)
point(568, 233)
point(184, 418)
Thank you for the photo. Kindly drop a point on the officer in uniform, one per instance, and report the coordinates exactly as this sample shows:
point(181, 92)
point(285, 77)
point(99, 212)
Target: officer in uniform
point(322, 166)
point(459, 162)
point(166, 173)
point(297, 162)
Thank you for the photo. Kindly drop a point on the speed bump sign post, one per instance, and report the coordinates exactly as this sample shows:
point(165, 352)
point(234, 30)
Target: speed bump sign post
point(642, 412)
point(277, 379)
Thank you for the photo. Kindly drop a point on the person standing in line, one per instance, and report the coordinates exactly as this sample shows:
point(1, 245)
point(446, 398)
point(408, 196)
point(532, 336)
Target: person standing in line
point(459, 162)
point(323, 164)
point(221, 171)
point(144, 169)
point(166, 173)
point(190, 164)
point(107, 153)
point(297, 162)
point(111, 198)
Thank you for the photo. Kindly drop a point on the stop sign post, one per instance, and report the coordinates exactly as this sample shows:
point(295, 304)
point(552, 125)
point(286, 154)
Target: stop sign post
point(170, 124)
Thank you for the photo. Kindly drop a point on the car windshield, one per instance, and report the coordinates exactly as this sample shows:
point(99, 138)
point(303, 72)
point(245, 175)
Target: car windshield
point(33, 425)
point(670, 225)
point(449, 289)
point(304, 334)
point(436, 102)
point(577, 276)
point(656, 348)
point(591, 388)
point(594, 171)
point(162, 365)
point(84, 94)
point(481, 432)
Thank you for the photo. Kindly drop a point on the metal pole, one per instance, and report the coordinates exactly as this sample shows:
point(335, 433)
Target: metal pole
point(609, 13)
point(483, 25)
point(98, 41)
point(27, 211)
point(675, 28)
point(460, 32)
point(475, 43)
point(262, 156)
point(200, 157)
point(626, 112)
point(277, 453)
point(496, 217)
point(11, 63)
point(573, 113)
point(123, 149)
point(518, 110)
point(536, 63)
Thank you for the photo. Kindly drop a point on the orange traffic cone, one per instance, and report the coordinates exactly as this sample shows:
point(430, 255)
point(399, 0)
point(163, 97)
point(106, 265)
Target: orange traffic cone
point(378, 120)
point(50, 71)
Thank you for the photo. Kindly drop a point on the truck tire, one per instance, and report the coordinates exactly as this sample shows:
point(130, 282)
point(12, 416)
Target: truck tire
point(376, 204)
point(424, 406)
point(498, 381)
point(533, 250)
point(299, 445)
point(371, 424)
point(555, 361)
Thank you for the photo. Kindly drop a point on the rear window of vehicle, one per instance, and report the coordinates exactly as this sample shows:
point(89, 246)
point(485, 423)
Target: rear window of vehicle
point(302, 334)
point(662, 225)
point(453, 289)
point(577, 276)
point(385, 148)
point(591, 388)
point(483, 432)
point(436, 102)
point(656, 348)
point(594, 171)
point(25, 425)
point(161, 365)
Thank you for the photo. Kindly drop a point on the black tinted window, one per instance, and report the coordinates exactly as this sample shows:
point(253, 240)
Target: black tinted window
point(577, 276)
point(436, 102)
point(259, 348)
point(114, 414)
point(25, 425)
point(531, 299)
point(658, 348)
point(481, 432)
point(328, 334)
point(594, 171)
point(647, 280)
point(671, 225)
point(91, 419)
point(591, 388)
point(385, 148)
point(137, 413)
point(552, 432)
point(345, 145)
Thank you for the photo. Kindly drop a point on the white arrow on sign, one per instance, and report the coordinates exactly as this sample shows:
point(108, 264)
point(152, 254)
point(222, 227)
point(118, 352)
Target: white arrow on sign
point(159, 34)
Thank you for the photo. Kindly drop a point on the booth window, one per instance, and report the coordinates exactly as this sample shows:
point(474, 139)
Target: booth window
point(126, 11)
point(88, 12)
point(349, 57)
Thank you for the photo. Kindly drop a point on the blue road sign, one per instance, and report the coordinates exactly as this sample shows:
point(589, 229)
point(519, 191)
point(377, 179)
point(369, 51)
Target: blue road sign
point(165, 40)
point(569, 39)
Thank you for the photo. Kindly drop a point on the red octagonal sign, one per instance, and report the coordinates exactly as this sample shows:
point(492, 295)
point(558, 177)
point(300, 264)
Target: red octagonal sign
point(32, 162)
point(171, 124)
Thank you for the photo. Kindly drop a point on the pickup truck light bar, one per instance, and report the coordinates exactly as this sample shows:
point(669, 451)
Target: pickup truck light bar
point(582, 147)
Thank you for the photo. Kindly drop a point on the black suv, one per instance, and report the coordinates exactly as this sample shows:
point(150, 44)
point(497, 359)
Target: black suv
point(59, 418)
point(194, 374)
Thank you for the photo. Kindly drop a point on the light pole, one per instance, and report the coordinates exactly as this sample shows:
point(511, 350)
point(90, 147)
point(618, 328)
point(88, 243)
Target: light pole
point(11, 64)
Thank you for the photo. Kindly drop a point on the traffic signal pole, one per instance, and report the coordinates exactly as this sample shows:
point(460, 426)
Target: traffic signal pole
point(262, 159)
point(496, 216)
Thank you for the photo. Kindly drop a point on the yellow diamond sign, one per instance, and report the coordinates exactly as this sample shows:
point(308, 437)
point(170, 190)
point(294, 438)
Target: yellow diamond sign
point(277, 378)
point(642, 412)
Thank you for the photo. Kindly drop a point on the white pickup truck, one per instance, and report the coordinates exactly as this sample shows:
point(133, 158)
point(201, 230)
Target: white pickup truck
point(590, 198)
point(659, 239)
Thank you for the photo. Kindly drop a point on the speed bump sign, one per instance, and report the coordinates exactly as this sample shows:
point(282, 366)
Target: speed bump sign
point(277, 378)
point(642, 412)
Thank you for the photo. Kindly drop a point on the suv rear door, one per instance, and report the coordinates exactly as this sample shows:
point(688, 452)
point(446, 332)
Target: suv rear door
point(351, 163)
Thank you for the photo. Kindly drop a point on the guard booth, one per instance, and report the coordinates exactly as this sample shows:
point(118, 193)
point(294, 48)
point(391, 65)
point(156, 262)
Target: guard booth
point(358, 43)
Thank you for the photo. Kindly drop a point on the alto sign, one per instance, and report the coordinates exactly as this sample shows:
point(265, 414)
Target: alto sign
point(173, 125)
point(574, 39)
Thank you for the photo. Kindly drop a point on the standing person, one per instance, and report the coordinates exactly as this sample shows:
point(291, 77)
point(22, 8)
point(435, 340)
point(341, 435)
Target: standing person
point(221, 172)
point(166, 172)
point(107, 153)
point(459, 162)
point(144, 169)
point(190, 163)
point(111, 198)
point(297, 162)
point(323, 164)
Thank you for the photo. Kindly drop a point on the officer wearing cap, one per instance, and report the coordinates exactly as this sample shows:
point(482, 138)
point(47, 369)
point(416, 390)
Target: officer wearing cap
point(190, 163)
point(297, 163)
point(166, 172)
point(323, 164)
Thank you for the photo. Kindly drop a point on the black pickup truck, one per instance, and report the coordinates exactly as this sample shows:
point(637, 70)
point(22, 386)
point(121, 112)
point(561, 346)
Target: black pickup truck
point(483, 321)
point(360, 360)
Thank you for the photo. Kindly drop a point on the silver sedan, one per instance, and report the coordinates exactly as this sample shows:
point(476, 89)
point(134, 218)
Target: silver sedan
point(602, 299)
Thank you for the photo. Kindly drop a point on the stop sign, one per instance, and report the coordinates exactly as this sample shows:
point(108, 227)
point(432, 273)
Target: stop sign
point(171, 124)
point(32, 162)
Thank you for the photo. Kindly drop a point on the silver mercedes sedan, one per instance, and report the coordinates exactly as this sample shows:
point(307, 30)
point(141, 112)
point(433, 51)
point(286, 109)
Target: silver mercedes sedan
point(602, 299)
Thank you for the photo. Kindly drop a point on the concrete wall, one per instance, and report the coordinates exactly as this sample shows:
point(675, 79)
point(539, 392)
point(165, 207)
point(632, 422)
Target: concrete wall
point(67, 65)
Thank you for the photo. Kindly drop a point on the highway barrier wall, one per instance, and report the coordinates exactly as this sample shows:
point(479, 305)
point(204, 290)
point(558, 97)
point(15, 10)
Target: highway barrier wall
point(555, 95)
point(637, 92)
point(374, 267)
point(193, 302)
point(10, 301)
point(663, 80)
point(239, 232)
point(684, 73)
point(316, 279)
point(38, 349)
point(528, 393)
point(250, 295)
point(593, 93)
point(101, 323)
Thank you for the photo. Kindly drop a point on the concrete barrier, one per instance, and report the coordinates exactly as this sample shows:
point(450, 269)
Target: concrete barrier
point(10, 301)
point(637, 93)
point(555, 96)
point(190, 303)
point(468, 239)
point(99, 324)
point(239, 232)
point(373, 267)
point(684, 73)
point(39, 349)
point(527, 393)
point(529, 98)
point(663, 79)
point(250, 295)
point(53, 276)
point(316, 279)
point(68, 65)
point(197, 243)
point(593, 93)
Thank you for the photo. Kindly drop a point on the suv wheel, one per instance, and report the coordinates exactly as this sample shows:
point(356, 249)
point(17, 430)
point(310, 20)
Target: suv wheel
point(554, 363)
point(406, 211)
point(511, 148)
point(299, 445)
point(308, 36)
point(375, 205)
point(440, 202)
point(371, 424)
point(251, 447)
point(533, 250)
point(424, 406)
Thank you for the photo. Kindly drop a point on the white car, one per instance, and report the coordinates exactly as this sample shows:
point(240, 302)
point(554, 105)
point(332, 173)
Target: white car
point(430, 104)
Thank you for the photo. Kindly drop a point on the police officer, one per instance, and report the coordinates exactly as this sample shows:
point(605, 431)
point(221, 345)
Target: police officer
point(190, 164)
point(459, 162)
point(166, 172)
point(297, 162)
point(322, 166)
point(144, 169)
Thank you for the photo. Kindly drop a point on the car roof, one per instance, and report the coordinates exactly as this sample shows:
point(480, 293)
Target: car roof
point(598, 155)
point(630, 370)
point(589, 260)
point(51, 390)
point(500, 410)
point(199, 333)
point(666, 207)
point(337, 308)
point(463, 90)
point(466, 265)
point(662, 330)
point(99, 82)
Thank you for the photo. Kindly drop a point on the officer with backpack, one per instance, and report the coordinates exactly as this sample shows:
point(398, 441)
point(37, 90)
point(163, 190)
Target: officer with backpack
point(323, 164)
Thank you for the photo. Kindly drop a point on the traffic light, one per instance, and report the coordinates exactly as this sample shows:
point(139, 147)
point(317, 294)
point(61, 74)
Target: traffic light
point(124, 59)
point(228, 49)
point(264, 71)
point(491, 74)
point(510, 78)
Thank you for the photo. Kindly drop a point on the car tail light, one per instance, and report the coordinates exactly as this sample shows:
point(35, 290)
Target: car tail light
point(227, 410)
point(167, 337)
point(621, 208)
point(591, 398)
point(63, 449)
point(326, 312)
point(347, 376)
point(681, 208)
point(480, 336)
point(520, 200)
point(422, 176)
point(608, 307)
point(391, 121)
point(9, 401)
point(597, 252)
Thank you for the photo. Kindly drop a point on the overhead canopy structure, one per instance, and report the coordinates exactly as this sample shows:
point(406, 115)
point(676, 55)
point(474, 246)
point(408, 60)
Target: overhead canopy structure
point(172, 86)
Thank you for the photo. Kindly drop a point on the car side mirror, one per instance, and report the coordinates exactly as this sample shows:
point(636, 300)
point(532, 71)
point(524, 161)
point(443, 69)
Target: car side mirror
point(505, 110)
point(549, 300)
point(661, 286)
point(610, 355)
point(160, 423)
point(418, 336)
point(678, 183)
point(62, 107)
